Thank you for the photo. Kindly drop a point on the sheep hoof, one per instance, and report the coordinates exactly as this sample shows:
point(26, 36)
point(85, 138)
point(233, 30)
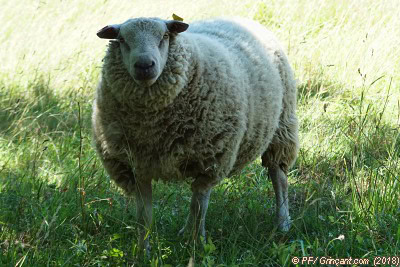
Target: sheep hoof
point(147, 252)
point(144, 253)
point(181, 232)
point(143, 249)
point(192, 236)
point(284, 224)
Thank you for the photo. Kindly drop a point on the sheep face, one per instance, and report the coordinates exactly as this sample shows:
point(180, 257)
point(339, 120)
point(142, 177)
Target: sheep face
point(144, 46)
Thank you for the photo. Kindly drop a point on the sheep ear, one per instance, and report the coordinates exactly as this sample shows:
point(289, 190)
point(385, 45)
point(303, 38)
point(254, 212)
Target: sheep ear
point(109, 32)
point(176, 26)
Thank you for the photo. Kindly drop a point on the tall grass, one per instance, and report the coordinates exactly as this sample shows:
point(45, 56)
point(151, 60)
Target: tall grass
point(59, 208)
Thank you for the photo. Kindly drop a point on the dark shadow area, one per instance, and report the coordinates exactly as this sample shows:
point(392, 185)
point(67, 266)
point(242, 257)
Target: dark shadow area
point(86, 205)
point(37, 109)
point(316, 87)
point(368, 140)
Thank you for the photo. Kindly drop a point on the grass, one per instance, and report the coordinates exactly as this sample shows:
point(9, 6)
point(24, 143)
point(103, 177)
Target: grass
point(59, 208)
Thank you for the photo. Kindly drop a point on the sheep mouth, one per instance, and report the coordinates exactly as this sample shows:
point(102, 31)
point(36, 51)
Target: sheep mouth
point(145, 76)
point(145, 80)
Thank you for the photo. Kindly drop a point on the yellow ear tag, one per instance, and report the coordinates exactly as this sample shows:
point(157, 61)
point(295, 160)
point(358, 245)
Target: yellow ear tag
point(176, 17)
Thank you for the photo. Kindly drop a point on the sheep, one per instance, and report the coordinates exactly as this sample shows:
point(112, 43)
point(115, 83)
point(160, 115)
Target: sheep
point(197, 104)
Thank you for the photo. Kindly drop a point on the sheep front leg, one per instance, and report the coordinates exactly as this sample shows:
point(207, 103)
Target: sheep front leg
point(280, 184)
point(195, 222)
point(144, 214)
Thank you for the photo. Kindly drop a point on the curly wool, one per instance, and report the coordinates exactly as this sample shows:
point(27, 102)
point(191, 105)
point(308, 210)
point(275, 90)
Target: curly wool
point(226, 96)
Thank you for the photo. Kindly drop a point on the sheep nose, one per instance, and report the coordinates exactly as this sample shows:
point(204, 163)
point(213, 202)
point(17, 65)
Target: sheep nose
point(144, 64)
point(144, 68)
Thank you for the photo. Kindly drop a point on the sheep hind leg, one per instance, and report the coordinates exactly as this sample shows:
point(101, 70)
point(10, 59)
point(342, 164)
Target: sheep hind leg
point(144, 214)
point(280, 184)
point(278, 158)
point(195, 222)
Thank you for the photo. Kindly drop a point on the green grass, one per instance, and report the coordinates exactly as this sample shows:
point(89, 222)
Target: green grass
point(59, 208)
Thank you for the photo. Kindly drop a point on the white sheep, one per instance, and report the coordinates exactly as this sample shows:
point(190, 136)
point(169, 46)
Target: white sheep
point(197, 104)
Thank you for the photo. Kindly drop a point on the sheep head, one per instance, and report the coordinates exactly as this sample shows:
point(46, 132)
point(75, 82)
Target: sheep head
point(144, 44)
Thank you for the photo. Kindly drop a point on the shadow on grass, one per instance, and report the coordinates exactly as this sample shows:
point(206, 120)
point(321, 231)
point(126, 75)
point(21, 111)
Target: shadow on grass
point(353, 190)
point(36, 108)
point(51, 220)
point(317, 87)
point(39, 174)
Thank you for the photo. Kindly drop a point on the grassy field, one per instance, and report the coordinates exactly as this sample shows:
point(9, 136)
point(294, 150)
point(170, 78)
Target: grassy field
point(59, 208)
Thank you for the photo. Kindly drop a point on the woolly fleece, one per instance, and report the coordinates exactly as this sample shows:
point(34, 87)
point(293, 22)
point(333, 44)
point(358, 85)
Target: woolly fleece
point(225, 96)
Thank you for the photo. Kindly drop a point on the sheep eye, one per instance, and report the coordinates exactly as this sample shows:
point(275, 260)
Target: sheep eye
point(165, 37)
